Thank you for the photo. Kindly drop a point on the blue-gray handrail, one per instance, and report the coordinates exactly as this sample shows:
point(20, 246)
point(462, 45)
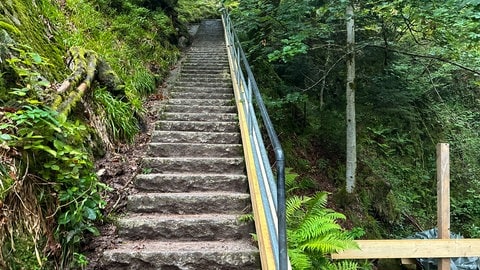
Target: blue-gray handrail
point(245, 76)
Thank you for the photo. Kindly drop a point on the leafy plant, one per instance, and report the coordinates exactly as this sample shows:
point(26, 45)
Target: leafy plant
point(54, 149)
point(119, 117)
point(313, 233)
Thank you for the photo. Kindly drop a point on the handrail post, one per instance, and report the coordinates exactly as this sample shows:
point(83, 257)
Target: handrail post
point(281, 211)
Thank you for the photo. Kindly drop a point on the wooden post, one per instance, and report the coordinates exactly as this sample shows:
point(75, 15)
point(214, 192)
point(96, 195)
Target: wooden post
point(443, 198)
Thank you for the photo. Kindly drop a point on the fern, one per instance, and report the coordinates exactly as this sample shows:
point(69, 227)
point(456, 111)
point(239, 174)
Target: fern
point(313, 232)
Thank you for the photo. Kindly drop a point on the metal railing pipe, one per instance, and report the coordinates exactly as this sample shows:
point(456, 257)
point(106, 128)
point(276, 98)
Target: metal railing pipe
point(245, 77)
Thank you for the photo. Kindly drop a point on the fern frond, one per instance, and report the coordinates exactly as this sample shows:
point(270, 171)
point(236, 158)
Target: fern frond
point(315, 227)
point(299, 260)
point(318, 203)
point(346, 265)
point(290, 179)
point(331, 243)
point(342, 265)
point(293, 205)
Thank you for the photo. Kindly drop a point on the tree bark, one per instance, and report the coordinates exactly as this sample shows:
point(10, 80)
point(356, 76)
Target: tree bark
point(351, 165)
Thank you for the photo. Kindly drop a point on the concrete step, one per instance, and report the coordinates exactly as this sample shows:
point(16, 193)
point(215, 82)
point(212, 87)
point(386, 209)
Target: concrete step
point(208, 227)
point(199, 95)
point(190, 203)
point(194, 165)
point(198, 126)
point(207, 59)
point(197, 89)
point(193, 75)
point(216, 70)
point(194, 150)
point(216, 50)
point(159, 136)
point(200, 109)
point(213, 84)
point(199, 116)
point(204, 78)
point(156, 255)
point(192, 182)
point(201, 102)
point(204, 64)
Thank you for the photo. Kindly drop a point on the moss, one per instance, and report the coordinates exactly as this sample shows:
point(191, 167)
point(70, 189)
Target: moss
point(30, 27)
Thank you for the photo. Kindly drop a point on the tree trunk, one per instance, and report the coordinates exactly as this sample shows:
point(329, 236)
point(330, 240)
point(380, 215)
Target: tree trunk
point(351, 165)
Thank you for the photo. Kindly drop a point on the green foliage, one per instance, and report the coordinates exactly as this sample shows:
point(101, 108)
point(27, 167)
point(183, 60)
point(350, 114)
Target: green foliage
point(313, 233)
point(194, 11)
point(119, 117)
point(55, 150)
point(417, 85)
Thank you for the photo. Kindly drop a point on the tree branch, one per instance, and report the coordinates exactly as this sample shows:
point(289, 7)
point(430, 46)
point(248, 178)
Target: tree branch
point(427, 57)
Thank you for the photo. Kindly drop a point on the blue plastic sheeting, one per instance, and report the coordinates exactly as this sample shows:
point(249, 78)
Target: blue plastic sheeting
point(469, 263)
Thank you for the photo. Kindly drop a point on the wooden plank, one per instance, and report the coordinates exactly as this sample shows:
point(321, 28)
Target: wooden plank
point(412, 248)
point(408, 261)
point(443, 198)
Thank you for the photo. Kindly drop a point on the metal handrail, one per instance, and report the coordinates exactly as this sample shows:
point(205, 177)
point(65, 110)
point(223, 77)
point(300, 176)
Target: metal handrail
point(244, 77)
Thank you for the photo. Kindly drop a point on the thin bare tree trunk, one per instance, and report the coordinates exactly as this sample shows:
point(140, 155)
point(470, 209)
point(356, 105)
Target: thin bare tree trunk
point(351, 165)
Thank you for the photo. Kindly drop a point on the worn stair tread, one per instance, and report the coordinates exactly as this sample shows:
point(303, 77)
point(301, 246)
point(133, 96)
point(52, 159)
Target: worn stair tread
point(190, 203)
point(233, 165)
point(200, 109)
point(190, 182)
point(207, 116)
point(212, 255)
point(201, 117)
point(202, 102)
point(194, 150)
point(138, 218)
point(162, 136)
point(201, 89)
point(151, 246)
point(200, 95)
point(189, 227)
point(208, 126)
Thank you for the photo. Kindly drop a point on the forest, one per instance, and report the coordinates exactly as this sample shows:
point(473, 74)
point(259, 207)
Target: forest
point(74, 75)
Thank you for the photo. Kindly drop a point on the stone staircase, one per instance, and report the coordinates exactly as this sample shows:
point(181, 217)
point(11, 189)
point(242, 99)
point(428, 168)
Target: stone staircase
point(187, 209)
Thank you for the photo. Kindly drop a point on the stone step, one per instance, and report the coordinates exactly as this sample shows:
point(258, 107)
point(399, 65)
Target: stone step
point(198, 126)
point(196, 116)
point(197, 89)
point(201, 102)
point(206, 78)
point(184, 75)
point(216, 70)
point(156, 255)
point(194, 150)
point(216, 50)
point(205, 68)
point(208, 227)
point(213, 84)
point(223, 60)
point(200, 109)
point(200, 95)
point(193, 182)
point(194, 165)
point(204, 64)
point(159, 136)
point(190, 203)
